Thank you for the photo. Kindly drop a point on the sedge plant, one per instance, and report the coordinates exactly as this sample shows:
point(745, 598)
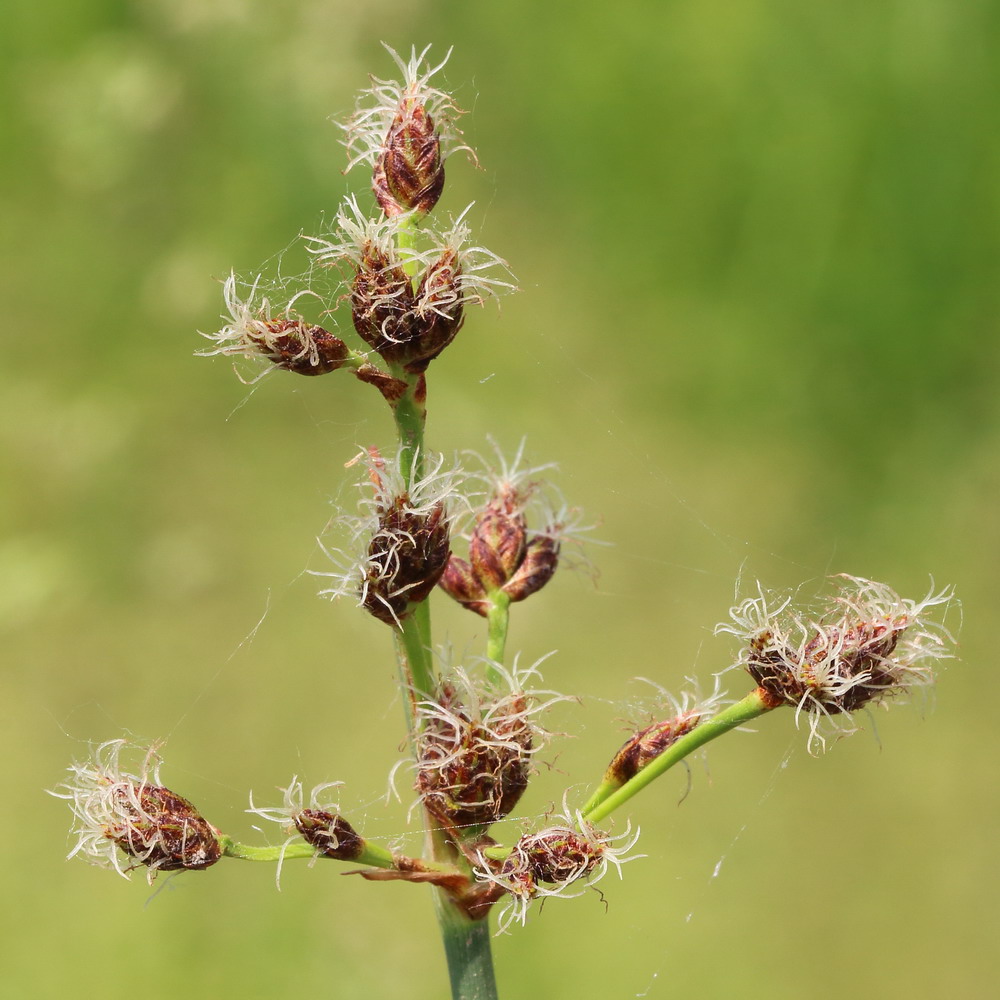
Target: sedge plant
point(401, 279)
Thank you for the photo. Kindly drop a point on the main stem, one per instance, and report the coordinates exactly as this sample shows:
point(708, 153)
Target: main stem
point(466, 941)
point(467, 949)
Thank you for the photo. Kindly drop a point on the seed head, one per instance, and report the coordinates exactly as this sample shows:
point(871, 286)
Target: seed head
point(152, 825)
point(281, 336)
point(866, 645)
point(403, 535)
point(381, 293)
point(505, 554)
point(405, 131)
point(549, 862)
point(318, 823)
point(648, 743)
point(475, 743)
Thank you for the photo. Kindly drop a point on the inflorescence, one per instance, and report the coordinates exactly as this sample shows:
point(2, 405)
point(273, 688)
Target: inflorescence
point(475, 729)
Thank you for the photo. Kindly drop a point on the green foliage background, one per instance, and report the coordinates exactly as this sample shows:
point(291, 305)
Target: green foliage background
point(758, 244)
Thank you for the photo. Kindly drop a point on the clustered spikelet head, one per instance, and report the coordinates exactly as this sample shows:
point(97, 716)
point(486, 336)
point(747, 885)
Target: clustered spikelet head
point(406, 320)
point(255, 329)
point(319, 823)
point(515, 539)
point(476, 738)
point(549, 862)
point(408, 290)
point(117, 812)
point(687, 712)
point(866, 645)
point(403, 535)
point(405, 131)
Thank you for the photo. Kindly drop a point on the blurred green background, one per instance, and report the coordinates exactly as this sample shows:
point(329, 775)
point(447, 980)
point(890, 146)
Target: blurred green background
point(757, 244)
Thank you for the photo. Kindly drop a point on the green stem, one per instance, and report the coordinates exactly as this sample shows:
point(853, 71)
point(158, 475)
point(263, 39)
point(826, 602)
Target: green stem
point(410, 415)
point(354, 360)
point(371, 856)
point(414, 638)
point(752, 706)
point(467, 948)
point(498, 622)
point(409, 411)
point(406, 239)
point(421, 617)
point(603, 790)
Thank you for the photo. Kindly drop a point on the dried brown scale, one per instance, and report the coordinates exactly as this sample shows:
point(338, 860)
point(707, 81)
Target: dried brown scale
point(648, 744)
point(478, 899)
point(299, 347)
point(392, 388)
point(420, 391)
point(166, 832)
point(331, 835)
point(406, 558)
point(454, 883)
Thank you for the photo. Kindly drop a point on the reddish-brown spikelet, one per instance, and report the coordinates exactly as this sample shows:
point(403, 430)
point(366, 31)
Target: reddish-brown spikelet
point(382, 304)
point(860, 650)
point(299, 347)
point(409, 175)
point(498, 542)
point(541, 558)
point(329, 833)
point(163, 831)
point(406, 558)
point(647, 745)
point(461, 584)
point(440, 310)
point(558, 855)
point(470, 773)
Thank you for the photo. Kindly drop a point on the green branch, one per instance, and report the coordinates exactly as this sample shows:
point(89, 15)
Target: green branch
point(372, 855)
point(498, 622)
point(608, 798)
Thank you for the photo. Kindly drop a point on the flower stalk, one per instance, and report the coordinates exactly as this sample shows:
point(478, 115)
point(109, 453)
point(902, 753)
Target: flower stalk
point(498, 622)
point(608, 797)
point(371, 854)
